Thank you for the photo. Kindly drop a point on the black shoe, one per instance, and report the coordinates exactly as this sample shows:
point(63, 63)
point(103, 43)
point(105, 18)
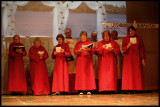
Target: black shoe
point(131, 92)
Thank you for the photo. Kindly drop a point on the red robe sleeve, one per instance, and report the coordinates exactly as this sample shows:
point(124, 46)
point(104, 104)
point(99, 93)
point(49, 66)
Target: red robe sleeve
point(11, 51)
point(53, 56)
point(142, 49)
point(67, 51)
point(93, 51)
point(99, 49)
point(116, 48)
point(76, 49)
point(45, 55)
point(24, 53)
point(105, 51)
point(33, 55)
point(124, 44)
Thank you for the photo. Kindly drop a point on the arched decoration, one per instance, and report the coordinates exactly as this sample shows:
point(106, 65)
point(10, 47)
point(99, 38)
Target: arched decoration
point(61, 13)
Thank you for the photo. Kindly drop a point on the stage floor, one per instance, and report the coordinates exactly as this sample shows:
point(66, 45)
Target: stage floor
point(94, 99)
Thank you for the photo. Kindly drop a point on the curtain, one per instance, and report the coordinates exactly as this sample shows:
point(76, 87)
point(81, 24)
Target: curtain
point(9, 16)
point(60, 15)
point(101, 15)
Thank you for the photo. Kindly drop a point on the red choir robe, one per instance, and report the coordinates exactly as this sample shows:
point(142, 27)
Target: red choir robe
point(16, 70)
point(132, 72)
point(107, 66)
point(60, 72)
point(38, 70)
point(85, 78)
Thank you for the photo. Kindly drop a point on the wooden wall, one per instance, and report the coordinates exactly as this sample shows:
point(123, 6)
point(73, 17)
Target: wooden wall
point(147, 12)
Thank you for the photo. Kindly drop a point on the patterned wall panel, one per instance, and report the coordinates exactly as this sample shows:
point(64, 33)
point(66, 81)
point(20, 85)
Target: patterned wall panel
point(47, 42)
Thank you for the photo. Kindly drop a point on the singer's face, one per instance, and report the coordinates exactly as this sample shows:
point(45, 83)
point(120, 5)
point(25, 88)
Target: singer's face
point(106, 36)
point(94, 37)
point(60, 41)
point(83, 38)
point(37, 44)
point(132, 32)
point(68, 33)
point(16, 39)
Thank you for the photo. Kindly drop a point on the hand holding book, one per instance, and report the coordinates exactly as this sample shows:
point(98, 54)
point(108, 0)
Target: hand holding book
point(19, 49)
point(110, 48)
point(129, 44)
point(41, 54)
point(107, 46)
point(86, 47)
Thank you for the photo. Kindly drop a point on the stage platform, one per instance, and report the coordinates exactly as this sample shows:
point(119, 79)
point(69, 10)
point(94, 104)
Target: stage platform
point(142, 99)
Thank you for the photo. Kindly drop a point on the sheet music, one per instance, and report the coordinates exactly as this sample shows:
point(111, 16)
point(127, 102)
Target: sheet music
point(58, 49)
point(108, 45)
point(84, 46)
point(40, 52)
point(133, 40)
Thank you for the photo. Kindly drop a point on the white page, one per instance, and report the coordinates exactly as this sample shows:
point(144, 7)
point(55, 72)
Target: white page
point(108, 45)
point(40, 52)
point(133, 40)
point(58, 49)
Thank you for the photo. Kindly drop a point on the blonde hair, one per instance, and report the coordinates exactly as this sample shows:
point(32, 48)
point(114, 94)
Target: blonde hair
point(37, 39)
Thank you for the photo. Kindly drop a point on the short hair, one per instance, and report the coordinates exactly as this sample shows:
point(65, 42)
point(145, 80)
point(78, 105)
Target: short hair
point(107, 32)
point(60, 36)
point(16, 35)
point(114, 31)
point(131, 27)
point(83, 33)
point(93, 32)
point(67, 29)
point(37, 39)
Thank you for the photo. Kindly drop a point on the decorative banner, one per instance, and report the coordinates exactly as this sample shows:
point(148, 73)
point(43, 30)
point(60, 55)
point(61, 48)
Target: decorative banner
point(136, 25)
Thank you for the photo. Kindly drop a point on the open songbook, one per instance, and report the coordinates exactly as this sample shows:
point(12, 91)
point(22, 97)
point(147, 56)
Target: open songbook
point(89, 45)
point(107, 45)
point(58, 49)
point(133, 40)
point(18, 47)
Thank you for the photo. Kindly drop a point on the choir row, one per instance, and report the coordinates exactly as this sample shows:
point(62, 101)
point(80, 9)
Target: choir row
point(106, 50)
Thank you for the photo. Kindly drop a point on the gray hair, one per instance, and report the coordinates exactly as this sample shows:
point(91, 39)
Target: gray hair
point(37, 39)
point(67, 29)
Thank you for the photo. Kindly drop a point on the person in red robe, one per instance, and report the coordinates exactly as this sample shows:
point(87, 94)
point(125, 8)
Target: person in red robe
point(16, 70)
point(60, 72)
point(38, 69)
point(134, 58)
point(85, 78)
point(107, 50)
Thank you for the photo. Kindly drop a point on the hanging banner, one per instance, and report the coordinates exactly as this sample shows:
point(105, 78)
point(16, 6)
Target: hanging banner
point(136, 25)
